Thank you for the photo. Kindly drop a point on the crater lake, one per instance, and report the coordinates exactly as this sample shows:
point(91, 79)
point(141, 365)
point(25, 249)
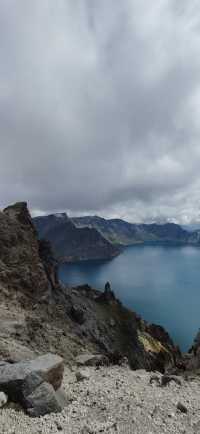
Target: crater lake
point(160, 283)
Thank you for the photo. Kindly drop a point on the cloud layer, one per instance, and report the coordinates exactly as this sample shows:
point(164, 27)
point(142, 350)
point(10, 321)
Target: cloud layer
point(100, 107)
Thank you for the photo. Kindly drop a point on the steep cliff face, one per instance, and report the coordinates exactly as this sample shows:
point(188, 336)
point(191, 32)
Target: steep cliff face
point(73, 244)
point(120, 231)
point(21, 267)
point(38, 314)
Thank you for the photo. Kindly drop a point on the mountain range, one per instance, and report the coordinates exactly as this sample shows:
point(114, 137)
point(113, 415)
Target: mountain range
point(119, 231)
point(95, 238)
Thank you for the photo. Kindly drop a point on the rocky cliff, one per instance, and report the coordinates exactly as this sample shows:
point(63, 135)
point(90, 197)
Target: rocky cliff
point(21, 267)
point(38, 315)
point(70, 243)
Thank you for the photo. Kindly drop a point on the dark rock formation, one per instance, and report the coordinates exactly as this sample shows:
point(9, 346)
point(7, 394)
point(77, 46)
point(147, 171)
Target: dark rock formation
point(181, 407)
point(21, 267)
point(77, 314)
point(70, 243)
point(49, 262)
point(107, 295)
point(191, 361)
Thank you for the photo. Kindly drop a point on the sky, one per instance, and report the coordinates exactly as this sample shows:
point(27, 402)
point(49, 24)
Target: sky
point(100, 107)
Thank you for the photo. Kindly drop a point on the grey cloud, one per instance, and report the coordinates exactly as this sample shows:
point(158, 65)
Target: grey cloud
point(99, 107)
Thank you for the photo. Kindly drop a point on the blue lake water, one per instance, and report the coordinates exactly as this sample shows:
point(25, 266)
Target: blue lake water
point(161, 283)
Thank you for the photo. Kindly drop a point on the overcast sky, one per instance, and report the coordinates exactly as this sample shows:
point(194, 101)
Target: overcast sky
point(100, 107)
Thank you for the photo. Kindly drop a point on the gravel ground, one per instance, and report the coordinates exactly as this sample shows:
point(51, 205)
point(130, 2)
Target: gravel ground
point(115, 400)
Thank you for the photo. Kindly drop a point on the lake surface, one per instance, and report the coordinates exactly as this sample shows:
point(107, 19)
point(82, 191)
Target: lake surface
point(161, 283)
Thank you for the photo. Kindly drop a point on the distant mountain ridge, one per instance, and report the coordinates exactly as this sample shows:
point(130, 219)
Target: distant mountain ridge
point(70, 243)
point(95, 238)
point(121, 232)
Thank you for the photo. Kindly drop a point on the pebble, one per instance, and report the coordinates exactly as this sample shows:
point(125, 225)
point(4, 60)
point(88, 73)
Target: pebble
point(82, 374)
point(182, 407)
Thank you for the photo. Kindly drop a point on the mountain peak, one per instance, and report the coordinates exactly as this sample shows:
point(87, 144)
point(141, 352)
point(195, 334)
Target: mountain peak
point(20, 212)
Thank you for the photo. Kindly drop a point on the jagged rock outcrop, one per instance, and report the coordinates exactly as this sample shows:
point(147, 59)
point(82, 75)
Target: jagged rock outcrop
point(70, 243)
point(21, 267)
point(107, 295)
point(191, 360)
point(117, 331)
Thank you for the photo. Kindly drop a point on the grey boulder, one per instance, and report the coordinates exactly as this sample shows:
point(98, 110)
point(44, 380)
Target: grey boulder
point(43, 400)
point(49, 367)
point(35, 384)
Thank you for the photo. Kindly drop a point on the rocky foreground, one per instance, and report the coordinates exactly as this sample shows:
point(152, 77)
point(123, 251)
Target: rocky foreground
point(116, 400)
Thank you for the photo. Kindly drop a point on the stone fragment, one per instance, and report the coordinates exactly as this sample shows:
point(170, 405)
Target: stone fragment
point(59, 426)
point(166, 379)
point(77, 314)
point(82, 374)
point(3, 399)
point(181, 407)
point(91, 360)
point(124, 362)
point(112, 322)
point(155, 379)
